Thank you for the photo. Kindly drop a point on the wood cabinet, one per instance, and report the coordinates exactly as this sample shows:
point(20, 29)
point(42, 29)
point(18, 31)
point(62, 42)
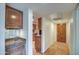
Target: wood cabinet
point(37, 34)
point(38, 43)
point(39, 23)
point(14, 18)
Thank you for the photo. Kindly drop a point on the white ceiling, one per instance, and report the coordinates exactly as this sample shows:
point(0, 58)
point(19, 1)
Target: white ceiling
point(45, 9)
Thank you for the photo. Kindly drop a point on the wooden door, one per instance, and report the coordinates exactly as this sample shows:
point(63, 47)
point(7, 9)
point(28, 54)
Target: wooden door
point(61, 33)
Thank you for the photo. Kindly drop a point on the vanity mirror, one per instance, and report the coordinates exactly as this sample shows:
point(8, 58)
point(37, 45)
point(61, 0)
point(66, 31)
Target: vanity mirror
point(14, 18)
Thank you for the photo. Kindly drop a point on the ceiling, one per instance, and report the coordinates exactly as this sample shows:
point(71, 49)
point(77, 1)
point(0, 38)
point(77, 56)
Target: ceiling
point(45, 9)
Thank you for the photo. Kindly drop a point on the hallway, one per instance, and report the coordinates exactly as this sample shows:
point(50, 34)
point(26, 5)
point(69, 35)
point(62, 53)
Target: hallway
point(47, 29)
point(55, 29)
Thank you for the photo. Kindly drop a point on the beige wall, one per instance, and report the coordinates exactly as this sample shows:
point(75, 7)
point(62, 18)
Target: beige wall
point(48, 33)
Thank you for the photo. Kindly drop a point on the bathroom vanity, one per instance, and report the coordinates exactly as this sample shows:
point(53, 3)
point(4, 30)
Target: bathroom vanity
point(15, 46)
point(15, 43)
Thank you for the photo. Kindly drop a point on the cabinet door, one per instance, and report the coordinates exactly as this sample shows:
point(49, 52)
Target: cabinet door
point(39, 23)
point(38, 43)
point(14, 18)
point(61, 32)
